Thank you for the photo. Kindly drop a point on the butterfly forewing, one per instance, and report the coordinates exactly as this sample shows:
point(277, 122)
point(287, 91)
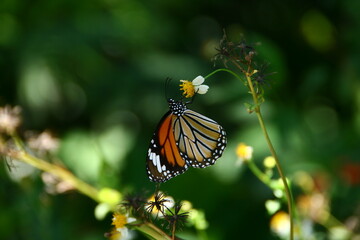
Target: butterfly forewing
point(163, 160)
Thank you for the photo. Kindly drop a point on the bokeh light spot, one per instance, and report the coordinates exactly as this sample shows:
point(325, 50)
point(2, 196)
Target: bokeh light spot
point(317, 30)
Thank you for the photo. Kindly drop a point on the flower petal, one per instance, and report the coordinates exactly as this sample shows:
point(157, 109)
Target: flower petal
point(198, 80)
point(131, 219)
point(126, 234)
point(202, 89)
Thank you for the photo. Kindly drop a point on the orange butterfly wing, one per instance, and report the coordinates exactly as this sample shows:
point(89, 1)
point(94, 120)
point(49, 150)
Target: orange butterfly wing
point(164, 160)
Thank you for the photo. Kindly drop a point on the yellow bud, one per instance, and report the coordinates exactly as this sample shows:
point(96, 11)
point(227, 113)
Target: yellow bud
point(110, 196)
point(269, 162)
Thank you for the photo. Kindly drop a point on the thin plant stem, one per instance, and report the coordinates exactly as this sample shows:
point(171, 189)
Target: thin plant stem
point(152, 231)
point(202, 234)
point(249, 83)
point(57, 171)
point(259, 174)
point(273, 153)
point(86, 189)
point(173, 232)
point(225, 70)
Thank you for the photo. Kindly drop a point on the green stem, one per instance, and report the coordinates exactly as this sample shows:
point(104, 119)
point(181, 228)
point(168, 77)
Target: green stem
point(273, 153)
point(225, 70)
point(21, 155)
point(202, 234)
point(330, 221)
point(152, 231)
point(269, 143)
point(57, 171)
point(147, 228)
point(258, 173)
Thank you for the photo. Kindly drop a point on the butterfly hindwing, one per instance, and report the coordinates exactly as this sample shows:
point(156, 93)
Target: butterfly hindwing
point(201, 140)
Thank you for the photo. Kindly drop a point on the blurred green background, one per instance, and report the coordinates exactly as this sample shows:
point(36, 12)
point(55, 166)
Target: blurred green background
point(93, 73)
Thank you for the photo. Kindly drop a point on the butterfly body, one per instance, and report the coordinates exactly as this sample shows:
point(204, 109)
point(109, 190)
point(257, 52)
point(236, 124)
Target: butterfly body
point(183, 138)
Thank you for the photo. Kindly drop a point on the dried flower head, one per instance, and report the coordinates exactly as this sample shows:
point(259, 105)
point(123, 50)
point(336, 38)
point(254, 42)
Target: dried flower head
point(241, 56)
point(134, 203)
point(176, 219)
point(259, 77)
point(44, 142)
point(159, 203)
point(54, 185)
point(238, 53)
point(9, 119)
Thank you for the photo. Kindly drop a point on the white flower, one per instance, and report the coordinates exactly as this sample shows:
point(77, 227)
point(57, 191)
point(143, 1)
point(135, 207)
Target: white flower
point(198, 86)
point(244, 152)
point(121, 232)
point(195, 86)
point(125, 233)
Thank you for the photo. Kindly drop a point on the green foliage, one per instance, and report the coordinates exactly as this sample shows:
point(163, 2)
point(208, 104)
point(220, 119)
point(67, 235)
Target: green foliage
point(93, 73)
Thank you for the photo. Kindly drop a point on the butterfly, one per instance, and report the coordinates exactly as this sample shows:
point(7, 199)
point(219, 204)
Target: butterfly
point(183, 138)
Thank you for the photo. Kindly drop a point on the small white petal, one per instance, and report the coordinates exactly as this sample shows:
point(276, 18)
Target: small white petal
point(125, 233)
point(170, 202)
point(202, 89)
point(198, 80)
point(130, 220)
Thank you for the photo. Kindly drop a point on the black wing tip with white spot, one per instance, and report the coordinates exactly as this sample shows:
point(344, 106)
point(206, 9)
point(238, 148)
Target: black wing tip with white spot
point(157, 167)
point(163, 178)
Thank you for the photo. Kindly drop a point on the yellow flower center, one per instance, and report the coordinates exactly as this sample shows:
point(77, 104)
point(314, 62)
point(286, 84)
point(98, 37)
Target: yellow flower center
point(188, 88)
point(119, 220)
point(244, 152)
